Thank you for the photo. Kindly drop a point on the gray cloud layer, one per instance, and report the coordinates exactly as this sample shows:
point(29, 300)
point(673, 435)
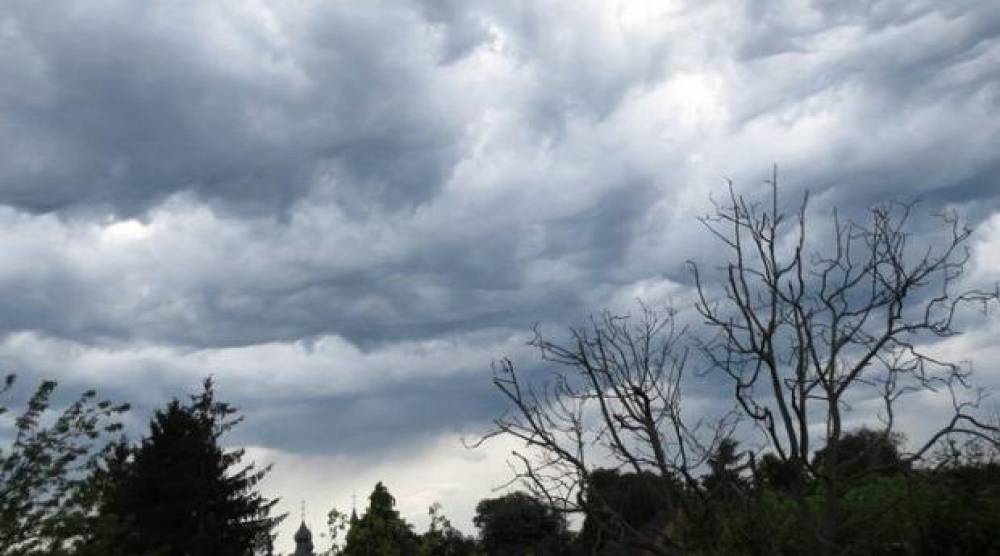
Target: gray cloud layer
point(346, 210)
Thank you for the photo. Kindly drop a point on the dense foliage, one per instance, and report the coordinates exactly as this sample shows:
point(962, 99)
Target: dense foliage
point(179, 493)
point(954, 509)
point(518, 523)
point(44, 497)
point(380, 530)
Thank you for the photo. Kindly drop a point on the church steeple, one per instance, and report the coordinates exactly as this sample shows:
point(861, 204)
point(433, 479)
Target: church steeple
point(303, 538)
point(303, 541)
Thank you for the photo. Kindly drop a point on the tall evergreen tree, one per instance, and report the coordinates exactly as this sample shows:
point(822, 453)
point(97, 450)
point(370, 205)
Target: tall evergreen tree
point(181, 494)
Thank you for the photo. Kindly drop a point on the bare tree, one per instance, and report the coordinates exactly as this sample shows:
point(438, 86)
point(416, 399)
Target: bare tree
point(804, 336)
point(613, 401)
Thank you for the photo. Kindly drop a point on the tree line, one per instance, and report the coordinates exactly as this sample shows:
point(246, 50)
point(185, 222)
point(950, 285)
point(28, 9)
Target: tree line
point(822, 342)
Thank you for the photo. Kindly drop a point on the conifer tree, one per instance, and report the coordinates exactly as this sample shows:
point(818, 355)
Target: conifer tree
point(180, 493)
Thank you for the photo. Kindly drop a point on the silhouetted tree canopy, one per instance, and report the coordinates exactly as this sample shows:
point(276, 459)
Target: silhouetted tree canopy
point(380, 530)
point(520, 524)
point(625, 509)
point(863, 452)
point(726, 478)
point(773, 473)
point(44, 499)
point(178, 493)
point(441, 539)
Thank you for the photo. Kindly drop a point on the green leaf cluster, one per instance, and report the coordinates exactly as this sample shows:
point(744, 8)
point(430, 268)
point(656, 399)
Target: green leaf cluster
point(45, 499)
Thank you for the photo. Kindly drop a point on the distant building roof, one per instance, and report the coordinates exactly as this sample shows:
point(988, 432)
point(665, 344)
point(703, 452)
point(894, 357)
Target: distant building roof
point(303, 541)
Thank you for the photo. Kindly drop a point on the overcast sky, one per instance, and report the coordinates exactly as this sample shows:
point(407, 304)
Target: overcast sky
point(344, 210)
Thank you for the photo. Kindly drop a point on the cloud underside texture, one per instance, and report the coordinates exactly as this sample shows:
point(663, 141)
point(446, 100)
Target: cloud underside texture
point(346, 210)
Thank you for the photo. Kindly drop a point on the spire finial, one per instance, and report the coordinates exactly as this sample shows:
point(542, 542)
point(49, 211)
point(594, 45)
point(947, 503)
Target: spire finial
point(303, 510)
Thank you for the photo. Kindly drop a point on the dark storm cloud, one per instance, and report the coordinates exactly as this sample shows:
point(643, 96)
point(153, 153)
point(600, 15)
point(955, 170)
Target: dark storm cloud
point(914, 82)
point(324, 203)
point(119, 105)
point(403, 415)
point(202, 287)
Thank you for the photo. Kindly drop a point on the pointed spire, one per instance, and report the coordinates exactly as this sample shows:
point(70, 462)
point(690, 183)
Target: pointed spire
point(303, 537)
point(303, 541)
